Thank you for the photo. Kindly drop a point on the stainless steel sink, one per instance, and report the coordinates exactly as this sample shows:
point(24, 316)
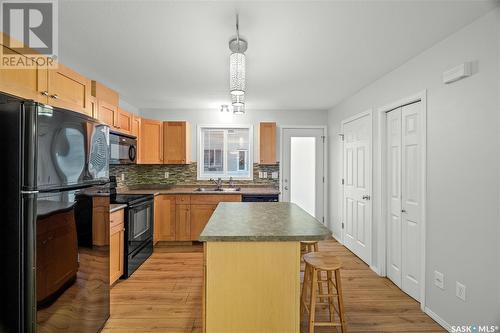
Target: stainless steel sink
point(215, 189)
point(230, 189)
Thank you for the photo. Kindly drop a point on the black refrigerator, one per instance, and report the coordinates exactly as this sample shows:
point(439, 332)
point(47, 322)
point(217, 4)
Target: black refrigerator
point(54, 275)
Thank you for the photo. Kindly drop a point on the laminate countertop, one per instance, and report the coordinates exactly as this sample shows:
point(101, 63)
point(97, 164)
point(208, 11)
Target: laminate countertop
point(262, 222)
point(192, 190)
point(116, 207)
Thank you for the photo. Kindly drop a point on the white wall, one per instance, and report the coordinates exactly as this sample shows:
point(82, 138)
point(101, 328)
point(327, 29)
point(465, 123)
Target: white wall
point(251, 117)
point(463, 173)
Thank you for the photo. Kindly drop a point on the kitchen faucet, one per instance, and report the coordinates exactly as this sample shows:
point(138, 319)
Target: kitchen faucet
point(218, 183)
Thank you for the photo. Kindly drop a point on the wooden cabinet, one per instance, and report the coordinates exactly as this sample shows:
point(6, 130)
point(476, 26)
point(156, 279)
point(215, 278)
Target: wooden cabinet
point(200, 214)
point(164, 218)
point(124, 121)
point(136, 131)
point(176, 142)
point(107, 113)
point(68, 89)
point(267, 143)
point(151, 141)
point(183, 222)
point(116, 245)
point(57, 254)
point(25, 83)
point(100, 221)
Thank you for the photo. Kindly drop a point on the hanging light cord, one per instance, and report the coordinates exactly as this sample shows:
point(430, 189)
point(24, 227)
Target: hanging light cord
point(238, 31)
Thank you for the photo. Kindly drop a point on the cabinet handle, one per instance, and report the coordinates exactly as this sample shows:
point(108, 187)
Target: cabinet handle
point(54, 96)
point(44, 93)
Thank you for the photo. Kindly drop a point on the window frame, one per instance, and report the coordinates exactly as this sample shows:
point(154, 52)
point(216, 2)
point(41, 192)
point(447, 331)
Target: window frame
point(200, 151)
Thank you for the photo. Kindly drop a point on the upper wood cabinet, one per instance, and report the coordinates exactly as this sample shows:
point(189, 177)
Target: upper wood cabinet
point(136, 131)
point(267, 143)
point(124, 121)
point(176, 142)
point(151, 141)
point(68, 89)
point(24, 83)
point(164, 217)
point(107, 113)
point(103, 93)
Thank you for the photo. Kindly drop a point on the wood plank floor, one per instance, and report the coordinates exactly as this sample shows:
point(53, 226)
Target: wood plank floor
point(164, 295)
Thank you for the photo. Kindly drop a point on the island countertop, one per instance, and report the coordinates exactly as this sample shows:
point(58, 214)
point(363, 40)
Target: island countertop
point(262, 222)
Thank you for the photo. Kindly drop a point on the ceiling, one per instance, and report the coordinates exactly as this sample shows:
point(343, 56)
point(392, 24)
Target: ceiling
point(301, 55)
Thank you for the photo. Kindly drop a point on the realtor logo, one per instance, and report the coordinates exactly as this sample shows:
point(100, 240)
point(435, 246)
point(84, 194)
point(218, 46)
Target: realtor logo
point(29, 33)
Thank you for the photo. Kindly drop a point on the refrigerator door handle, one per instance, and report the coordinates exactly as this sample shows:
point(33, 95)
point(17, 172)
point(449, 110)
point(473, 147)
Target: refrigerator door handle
point(29, 192)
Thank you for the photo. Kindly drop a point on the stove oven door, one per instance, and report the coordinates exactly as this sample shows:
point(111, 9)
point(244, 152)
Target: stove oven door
point(140, 225)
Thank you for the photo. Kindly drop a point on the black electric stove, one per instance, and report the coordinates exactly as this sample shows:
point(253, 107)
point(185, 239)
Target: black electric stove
point(138, 227)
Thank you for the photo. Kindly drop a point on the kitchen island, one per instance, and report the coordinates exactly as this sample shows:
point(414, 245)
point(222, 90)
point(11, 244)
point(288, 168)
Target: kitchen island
point(252, 266)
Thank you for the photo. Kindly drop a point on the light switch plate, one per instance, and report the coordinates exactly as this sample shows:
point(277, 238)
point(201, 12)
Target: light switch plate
point(264, 174)
point(439, 279)
point(122, 176)
point(166, 175)
point(460, 291)
point(260, 174)
point(275, 175)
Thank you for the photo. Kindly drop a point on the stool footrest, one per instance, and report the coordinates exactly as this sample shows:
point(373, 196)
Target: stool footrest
point(326, 323)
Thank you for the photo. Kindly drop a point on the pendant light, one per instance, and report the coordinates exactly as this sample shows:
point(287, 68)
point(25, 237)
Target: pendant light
point(237, 68)
point(239, 109)
point(238, 100)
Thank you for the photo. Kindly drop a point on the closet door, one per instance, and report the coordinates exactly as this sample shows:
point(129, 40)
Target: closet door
point(394, 248)
point(411, 198)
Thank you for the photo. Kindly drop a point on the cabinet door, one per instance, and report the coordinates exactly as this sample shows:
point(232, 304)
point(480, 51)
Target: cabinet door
point(165, 217)
point(107, 113)
point(267, 143)
point(25, 83)
point(200, 214)
point(151, 141)
point(182, 222)
point(136, 131)
point(124, 121)
point(69, 90)
point(116, 253)
point(176, 142)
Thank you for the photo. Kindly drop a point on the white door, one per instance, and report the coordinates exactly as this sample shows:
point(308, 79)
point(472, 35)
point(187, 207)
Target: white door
point(357, 179)
point(404, 191)
point(303, 169)
point(394, 196)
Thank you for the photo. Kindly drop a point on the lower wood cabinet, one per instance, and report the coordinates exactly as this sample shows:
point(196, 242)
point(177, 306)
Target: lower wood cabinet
point(164, 218)
point(183, 222)
point(183, 217)
point(200, 214)
point(116, 245)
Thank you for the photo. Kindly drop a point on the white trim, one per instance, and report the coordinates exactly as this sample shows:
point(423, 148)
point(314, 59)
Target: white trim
point(369, 113)
point(438, 319)
point(325, 162)
point(337, 238)
point(224, 126)
point(375, 269)
point(382, 178)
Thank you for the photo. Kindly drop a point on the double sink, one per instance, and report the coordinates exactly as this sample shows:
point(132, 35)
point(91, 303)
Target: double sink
point(218, 189)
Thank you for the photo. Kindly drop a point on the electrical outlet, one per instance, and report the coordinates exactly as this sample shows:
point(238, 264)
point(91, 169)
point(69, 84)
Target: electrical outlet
point(460, 291)
point(260, 174)
point(264, 174)
point(166, 175)
point(274, 175)
point(122, 176)
point(439, 279)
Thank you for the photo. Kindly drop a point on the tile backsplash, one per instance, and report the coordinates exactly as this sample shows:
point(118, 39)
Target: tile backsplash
point(142, 174)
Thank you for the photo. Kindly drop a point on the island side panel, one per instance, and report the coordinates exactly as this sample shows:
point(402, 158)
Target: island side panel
point(252, 287)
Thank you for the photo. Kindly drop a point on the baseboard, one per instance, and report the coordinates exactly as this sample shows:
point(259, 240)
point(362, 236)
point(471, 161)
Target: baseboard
point(337, 238)
point(375, 269)
point(438, 319)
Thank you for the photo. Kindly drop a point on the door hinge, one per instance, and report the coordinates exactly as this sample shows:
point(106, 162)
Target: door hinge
point(323, 179)
point(323, 137)
point(342, 181)
point(341, 137)
point(323, 219)
point(342, 225)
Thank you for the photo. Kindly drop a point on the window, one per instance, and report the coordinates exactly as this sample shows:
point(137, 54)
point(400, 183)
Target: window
point(225, 152)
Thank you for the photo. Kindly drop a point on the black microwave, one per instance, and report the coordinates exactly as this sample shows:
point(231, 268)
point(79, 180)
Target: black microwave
point(122, 149)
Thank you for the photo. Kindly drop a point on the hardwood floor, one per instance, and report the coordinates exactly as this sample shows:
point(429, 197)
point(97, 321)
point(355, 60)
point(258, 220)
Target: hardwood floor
point(164, 295)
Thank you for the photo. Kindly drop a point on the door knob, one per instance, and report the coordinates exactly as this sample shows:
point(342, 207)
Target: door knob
point(286, 188)
point(366, 197)
point(45, 93)
point(403, 210)
point(55, 96)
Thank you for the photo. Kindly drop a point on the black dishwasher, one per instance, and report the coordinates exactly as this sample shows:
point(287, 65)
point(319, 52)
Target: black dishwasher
point(260, 198)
